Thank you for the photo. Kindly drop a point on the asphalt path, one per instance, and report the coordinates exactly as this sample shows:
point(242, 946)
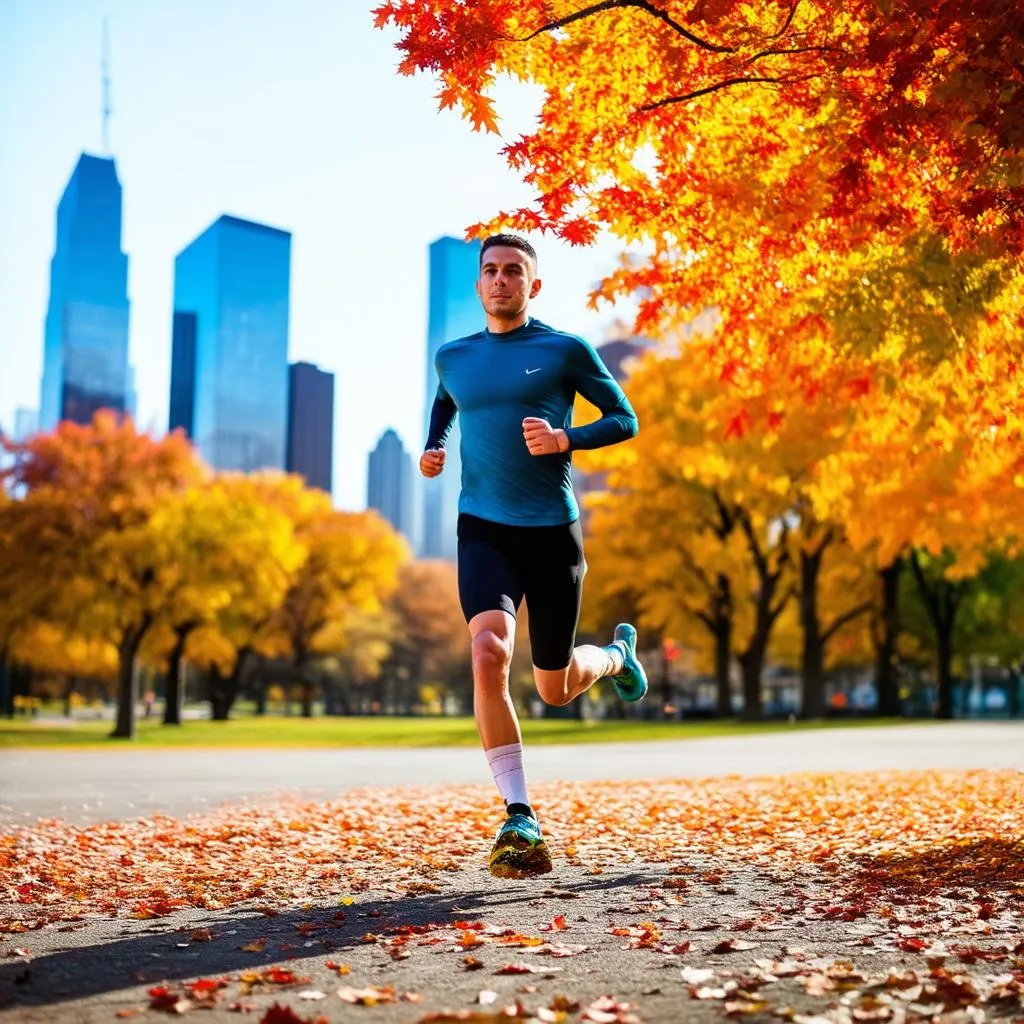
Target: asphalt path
point(86, 786)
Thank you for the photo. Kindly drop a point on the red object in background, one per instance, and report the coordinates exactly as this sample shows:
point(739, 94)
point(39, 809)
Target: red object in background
point(670, 649)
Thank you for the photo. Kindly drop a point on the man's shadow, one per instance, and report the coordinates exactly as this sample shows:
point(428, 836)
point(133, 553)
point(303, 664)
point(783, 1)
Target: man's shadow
point(153, 956)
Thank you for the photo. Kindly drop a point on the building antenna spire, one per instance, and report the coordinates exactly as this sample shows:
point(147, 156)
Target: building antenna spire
point(106, 87)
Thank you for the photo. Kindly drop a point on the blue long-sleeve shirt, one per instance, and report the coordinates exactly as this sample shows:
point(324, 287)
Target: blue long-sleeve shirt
point(493, 382)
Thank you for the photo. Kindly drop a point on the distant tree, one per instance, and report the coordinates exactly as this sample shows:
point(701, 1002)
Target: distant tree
point(80, 535)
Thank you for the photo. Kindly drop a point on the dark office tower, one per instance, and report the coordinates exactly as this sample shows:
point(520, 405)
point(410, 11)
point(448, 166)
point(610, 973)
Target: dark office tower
point(311, 424)
point(229, 352)
point(389, 482)
point(183, 372)
point(454, 312)
point(85, 358)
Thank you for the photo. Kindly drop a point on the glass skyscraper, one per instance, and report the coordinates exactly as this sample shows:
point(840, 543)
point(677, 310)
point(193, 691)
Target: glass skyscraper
point(229, 353)
point(389, 482)
point(311, 424)
point(454, 312)
point(85, 358)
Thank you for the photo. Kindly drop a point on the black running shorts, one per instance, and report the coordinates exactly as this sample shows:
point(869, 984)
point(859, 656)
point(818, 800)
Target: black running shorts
point(499, 565)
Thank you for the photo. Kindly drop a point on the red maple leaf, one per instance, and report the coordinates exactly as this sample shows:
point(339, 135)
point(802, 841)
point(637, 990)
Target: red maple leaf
point(739, 425)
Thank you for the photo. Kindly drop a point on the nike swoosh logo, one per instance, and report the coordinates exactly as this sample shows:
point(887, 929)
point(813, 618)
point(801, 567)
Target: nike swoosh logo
point(533, 371)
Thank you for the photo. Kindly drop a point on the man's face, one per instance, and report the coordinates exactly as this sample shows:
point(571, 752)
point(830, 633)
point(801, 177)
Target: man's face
point(507, 282)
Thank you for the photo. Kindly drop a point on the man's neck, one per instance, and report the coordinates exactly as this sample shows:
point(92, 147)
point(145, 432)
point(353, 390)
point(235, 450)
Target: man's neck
point(496, 325)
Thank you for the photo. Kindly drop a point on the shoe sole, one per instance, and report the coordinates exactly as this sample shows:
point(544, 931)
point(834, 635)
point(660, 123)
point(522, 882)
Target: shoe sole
point(516, 857)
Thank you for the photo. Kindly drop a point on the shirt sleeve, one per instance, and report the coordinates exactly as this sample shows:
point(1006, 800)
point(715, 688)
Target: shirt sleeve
point(591, 379)
point(442, 416)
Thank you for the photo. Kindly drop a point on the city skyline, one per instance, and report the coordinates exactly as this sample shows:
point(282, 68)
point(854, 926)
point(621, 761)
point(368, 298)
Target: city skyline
point(260, 128)
point(453, 311)
point(389, 483)
point(230, 378)
point(311, 424)
point(85, 347)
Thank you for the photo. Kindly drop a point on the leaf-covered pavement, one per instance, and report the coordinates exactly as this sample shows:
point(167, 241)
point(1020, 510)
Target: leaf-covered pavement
point(849, 898)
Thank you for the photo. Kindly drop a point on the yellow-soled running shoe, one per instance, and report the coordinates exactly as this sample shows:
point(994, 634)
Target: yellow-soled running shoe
point(519, 851)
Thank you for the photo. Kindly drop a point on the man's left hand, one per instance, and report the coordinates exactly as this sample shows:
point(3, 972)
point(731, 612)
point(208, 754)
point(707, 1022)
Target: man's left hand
point(542, 439)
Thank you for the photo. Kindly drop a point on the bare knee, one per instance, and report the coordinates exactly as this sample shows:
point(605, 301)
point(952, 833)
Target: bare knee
point(491, 655)
point(552, 687)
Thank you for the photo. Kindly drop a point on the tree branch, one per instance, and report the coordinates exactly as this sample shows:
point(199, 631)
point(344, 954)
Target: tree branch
point(641, 5)
point(755, 547)
point(772, 52)
point(727, 516)
point(727, 83)
point(930, 598)
point(774, 613)
point(827, 538)
point(842, 620)
point(789, 20)
point(697, 571)
point(707, 620)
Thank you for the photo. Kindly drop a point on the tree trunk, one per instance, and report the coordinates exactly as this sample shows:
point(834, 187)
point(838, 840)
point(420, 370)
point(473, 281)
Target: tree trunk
point(752, 659)
point(69, 688)
point(1014, 702)
point(220, 705)
point(944, 654)
point(6, 686)
point(752, 665)
point(942, 602)
point(307, 700)
point(723, 662)
point(812, 655)
point(261, 696)
point(127, 685)
point(667, 689)
point(174, 685)
point(224, 689)
point(721, 621)
point(886, 685)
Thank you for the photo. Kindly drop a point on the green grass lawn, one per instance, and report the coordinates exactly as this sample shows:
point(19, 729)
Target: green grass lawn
point(379, 732)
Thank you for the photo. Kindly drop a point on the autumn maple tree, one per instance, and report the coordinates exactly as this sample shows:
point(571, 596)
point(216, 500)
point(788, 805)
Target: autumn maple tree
point(221, 546)
point(841, 183)
point(351, 567)
point(80, 547)
point(430, 644)
point(753, 131)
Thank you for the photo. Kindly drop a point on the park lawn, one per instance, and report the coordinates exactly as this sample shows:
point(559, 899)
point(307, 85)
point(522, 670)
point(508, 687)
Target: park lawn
point(384, 731)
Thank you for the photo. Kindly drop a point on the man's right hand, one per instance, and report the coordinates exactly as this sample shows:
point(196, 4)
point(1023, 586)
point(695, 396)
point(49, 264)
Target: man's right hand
point(432, 462)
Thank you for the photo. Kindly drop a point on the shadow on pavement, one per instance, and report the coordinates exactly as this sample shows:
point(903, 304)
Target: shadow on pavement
point(150, 954)
point(994, 866)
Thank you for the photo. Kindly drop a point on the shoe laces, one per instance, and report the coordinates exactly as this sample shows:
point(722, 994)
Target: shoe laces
point(522, 823)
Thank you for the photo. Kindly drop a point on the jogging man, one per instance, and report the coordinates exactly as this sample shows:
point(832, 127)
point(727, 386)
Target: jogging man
point(513, 386)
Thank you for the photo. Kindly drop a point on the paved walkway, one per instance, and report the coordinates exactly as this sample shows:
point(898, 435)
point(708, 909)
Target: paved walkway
point(89, 786)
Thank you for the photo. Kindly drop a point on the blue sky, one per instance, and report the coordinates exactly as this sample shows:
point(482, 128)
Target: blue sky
point(291, 114)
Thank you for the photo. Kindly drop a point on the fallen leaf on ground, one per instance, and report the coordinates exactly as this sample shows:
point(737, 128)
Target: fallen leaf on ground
point(524, 969)
point(557, 924)
point(733, 946)
point(279, 1014)
point(370, 996)
point(696, 975)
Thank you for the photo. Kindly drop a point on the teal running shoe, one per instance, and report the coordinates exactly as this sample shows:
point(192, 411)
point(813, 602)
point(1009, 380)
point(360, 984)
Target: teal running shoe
point(631, 683)
point(519, 850)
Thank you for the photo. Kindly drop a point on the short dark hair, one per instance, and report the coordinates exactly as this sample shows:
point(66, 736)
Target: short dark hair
point(513, 242)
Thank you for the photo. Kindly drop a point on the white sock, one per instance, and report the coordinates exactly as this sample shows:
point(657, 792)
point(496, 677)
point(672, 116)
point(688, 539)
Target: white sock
point(507, 768)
